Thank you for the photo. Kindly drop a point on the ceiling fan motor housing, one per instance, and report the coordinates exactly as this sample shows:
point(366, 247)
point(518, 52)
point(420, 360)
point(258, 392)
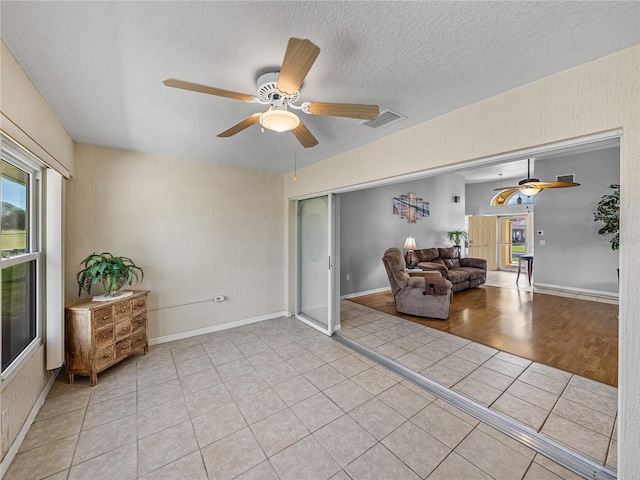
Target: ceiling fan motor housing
point(267, 88)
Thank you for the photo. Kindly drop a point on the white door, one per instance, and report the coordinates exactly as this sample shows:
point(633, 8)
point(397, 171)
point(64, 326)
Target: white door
point(315, 256)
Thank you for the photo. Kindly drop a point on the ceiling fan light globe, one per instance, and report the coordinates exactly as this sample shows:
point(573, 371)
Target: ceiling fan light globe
point(279, 120)
point(529, 191)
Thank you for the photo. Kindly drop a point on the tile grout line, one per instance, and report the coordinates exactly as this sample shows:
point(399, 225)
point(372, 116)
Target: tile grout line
point(549, 448)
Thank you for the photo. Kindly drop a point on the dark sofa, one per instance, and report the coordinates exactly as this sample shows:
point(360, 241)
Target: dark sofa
point(463, 273)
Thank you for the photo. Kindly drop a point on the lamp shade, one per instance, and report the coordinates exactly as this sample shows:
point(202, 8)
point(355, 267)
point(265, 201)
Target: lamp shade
point(279, 120)
point(410, 243)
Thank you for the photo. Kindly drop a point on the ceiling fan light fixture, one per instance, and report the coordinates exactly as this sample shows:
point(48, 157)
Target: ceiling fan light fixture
point(279, 120)
point(529, 191)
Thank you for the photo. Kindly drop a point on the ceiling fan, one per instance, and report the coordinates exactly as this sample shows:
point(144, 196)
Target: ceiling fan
point(280, 90)
point(528, 187)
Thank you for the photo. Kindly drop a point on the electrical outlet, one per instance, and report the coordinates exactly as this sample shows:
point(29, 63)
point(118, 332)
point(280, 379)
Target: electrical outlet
point(348, 277)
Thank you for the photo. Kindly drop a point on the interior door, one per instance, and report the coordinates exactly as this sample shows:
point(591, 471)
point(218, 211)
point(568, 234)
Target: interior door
point(483, 239)
point(315, 255)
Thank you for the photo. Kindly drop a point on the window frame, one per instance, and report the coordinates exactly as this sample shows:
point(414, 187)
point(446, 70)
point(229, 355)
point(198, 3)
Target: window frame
point(15, 155)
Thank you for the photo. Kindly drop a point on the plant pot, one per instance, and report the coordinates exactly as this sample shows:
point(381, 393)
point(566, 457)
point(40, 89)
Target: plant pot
point(113, 285)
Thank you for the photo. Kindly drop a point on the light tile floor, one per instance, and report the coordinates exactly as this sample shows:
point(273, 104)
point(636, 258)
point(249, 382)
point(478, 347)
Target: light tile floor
point(574, 411)
point(507, 279)
point(277, 399)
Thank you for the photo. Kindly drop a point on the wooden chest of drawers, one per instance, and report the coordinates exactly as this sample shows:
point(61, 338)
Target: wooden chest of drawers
point(100, 334)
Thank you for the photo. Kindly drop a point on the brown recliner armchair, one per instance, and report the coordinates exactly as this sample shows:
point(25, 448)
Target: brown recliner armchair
point(426, 295)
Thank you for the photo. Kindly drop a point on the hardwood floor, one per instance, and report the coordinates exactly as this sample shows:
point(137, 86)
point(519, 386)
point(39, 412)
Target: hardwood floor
point(577, 336)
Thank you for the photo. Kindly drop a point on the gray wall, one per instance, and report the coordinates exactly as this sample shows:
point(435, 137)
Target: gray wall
point(574, 255)
point(368, 227)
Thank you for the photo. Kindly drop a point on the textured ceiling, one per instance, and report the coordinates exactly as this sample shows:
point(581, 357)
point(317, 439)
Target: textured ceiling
point(100, 65)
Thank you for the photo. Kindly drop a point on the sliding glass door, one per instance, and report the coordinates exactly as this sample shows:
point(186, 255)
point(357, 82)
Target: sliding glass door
point(315, 256)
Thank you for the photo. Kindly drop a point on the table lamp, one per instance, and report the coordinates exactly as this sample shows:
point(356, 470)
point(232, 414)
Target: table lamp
point(410, 244)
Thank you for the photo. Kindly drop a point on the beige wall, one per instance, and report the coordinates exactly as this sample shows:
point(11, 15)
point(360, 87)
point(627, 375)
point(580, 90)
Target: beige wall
point(196, 228)
point(25, 109)
point(27, 118)
point(21, 393)
point(598, 96)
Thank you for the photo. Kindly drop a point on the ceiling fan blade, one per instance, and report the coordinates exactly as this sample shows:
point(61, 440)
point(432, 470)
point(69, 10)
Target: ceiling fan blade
point(246, 123)
point(195, 87)
point(349, 110)
point(298, 60)
point(304, 136)
point(504, 196)
point(542, 185)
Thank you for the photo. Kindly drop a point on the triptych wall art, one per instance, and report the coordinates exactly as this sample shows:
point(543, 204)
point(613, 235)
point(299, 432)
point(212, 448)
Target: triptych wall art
point(410, 207)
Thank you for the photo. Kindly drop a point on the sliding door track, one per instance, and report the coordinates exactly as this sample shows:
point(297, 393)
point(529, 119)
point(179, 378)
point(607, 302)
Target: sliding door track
point(532, 439)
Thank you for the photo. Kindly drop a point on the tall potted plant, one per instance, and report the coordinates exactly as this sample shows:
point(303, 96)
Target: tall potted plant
point(608, 211)
point(113, 272)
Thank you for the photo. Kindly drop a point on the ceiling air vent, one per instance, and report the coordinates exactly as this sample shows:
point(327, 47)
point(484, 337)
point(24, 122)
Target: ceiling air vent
point(565, 178)
point(385, 118)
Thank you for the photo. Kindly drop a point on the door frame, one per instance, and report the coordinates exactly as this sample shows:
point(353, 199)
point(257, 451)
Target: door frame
point(333, 310)
point(529, 230)
point(563, 146)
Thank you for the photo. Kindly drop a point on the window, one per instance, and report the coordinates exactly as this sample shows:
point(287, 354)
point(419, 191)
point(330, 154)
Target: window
point(520, 199)
point(21, 256)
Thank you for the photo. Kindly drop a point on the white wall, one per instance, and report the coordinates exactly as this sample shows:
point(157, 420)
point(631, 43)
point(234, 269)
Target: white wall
point(368, 227)
point(574, 255)
point(598, 96)
point(197, 229)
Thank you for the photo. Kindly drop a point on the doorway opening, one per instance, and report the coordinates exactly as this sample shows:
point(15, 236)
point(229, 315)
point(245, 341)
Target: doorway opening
point(515, 240)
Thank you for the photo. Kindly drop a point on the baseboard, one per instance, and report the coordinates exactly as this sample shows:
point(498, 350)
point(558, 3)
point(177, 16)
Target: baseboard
point(17, 443)
point(577, 290)
point(216, 328)
point(368, 292)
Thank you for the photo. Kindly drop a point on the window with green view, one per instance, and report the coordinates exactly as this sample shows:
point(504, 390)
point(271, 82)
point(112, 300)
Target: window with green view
point(20, 256)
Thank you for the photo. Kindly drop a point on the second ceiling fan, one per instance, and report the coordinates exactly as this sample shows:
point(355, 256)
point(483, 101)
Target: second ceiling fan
point(528, 187)
point(280, 90)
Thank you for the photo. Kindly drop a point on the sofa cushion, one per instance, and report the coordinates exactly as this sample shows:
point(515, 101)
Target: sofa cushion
point(480, 263)
point(458, 275)
point(451, 262)
point(448, 252)
point(427, 254)
point(474, 273)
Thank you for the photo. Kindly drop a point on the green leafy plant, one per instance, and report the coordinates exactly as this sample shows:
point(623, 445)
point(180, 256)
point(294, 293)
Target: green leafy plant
point(456, 236)
point(113, 272)
point(608, 211)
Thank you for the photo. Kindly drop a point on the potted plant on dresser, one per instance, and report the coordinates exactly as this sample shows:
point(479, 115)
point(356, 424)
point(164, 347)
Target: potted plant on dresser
point(114, 273)
point(109, 328)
